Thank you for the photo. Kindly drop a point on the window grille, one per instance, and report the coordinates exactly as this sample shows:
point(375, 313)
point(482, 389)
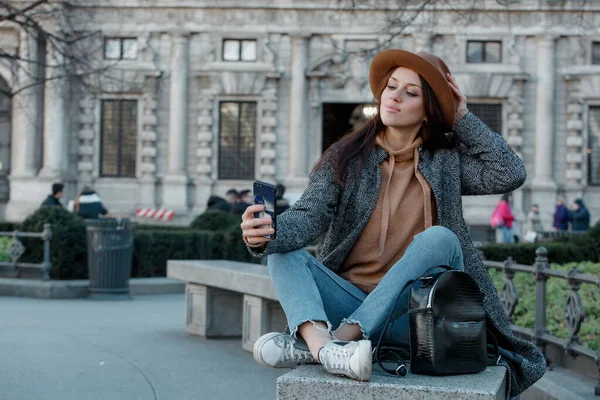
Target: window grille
point(593, 150)
point(480, 51)
point(118, 140)
point(489, 113)
point(237, 140)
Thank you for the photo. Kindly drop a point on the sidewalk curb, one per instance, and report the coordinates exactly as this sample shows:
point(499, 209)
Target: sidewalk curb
point(79, 288)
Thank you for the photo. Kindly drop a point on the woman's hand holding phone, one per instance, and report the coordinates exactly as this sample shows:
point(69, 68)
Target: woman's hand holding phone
point(252, 228)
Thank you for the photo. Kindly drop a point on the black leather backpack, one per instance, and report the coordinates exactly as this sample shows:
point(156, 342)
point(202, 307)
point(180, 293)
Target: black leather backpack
point(447, 323)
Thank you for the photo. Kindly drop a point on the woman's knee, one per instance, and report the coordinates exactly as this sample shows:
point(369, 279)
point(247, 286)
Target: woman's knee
point(440, 236)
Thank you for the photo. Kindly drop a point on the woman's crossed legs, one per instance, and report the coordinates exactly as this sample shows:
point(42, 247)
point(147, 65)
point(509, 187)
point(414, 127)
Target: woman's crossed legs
point(315, 300)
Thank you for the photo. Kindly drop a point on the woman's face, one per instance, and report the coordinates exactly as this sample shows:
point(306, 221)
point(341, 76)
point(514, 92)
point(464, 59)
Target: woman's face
point(402, 103)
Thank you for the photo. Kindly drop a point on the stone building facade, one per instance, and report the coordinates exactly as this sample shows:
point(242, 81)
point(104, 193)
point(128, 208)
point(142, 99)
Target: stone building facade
point(201, 98)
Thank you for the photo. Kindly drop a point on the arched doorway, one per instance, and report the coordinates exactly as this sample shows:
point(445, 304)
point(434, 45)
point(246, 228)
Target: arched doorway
point(341, 118)
point(5, 119)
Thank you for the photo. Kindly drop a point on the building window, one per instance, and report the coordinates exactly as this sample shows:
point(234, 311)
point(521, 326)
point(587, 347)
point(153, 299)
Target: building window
point(237, 140)
point(120, 48)
point(118, 140)
point(593, 150)
point(489, 113)
point(596, 53)
point(479, 51)
point(239, 50)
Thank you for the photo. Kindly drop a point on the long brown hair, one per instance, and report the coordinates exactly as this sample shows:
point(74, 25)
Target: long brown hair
point(360, 143)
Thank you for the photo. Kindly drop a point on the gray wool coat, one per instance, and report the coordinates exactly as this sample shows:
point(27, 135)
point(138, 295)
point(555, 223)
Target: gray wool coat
point(484, 164)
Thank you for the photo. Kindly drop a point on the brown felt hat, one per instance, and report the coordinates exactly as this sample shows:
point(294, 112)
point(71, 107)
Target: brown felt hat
point(432, 68)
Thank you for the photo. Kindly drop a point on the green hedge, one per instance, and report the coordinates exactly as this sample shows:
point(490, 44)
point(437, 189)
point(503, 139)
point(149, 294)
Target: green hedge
point(215, 221)
point(8, 226)
point(153, 249)
point(68, 245)
point(153, 244)
point(556, 297)
point(5, 241)
point(576, 248)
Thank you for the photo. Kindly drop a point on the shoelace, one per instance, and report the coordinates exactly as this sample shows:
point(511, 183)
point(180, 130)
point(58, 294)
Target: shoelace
point(336, 358)
point(291, 353)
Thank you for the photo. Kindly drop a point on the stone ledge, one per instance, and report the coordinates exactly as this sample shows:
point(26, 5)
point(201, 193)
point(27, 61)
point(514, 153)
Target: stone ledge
point(235, 276)
point(312, 382)
point(79, 288)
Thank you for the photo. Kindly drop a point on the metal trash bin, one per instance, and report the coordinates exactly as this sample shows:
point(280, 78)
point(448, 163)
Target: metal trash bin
point(110, 255)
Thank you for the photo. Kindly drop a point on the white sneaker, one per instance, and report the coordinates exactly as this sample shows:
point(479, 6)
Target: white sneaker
point(351, 359)
point(277, 350)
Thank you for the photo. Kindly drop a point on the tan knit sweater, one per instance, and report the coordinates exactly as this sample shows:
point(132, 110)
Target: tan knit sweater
point(405, 207)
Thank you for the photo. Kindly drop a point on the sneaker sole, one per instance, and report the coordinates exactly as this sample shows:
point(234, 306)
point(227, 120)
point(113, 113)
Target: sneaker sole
point(259, 342)
point(365, 360)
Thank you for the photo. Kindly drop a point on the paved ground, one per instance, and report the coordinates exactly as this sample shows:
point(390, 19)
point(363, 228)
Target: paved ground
point(137, 349)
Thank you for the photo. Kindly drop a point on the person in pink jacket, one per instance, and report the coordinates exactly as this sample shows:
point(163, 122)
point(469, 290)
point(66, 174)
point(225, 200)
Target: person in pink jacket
point(502, 218)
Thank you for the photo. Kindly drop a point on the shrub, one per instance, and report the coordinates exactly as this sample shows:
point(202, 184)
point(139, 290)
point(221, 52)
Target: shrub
point(152, 249)
point(5, 241)
point(215, 221)
point(8, 226)
point(156, 227)
point(566, 249)
point(556, 296)
point(236, 248)
point(68, 245)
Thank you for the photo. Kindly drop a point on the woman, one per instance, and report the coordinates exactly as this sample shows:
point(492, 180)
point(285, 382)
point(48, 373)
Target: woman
point(397, 177)
point(505, 217)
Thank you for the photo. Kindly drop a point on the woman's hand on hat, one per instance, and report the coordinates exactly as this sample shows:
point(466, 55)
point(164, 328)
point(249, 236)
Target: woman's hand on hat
point(459, 98)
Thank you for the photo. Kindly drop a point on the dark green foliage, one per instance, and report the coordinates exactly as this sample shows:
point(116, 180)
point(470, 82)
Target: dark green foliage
point(152, 249)
point(68, 245)
point(236, 247)
point(565, 249)
point(8, 226)
point(153, 245)
point(156, 227)
point(215, 221)
point(556, 296)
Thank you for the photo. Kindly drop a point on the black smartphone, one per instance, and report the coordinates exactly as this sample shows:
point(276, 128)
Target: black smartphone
point(264, 193)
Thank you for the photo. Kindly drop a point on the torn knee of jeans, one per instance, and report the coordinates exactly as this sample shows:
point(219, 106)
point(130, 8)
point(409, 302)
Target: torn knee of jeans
point(355, 322)
point(294, 332)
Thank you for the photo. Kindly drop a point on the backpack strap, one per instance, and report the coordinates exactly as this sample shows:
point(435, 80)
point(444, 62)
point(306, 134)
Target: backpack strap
point(394, 354)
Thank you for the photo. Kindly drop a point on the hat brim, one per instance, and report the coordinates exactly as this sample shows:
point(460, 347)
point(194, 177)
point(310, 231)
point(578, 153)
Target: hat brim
point(388, 60)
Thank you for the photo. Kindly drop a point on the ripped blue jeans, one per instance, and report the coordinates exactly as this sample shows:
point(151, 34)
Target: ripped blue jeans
point(309, 291)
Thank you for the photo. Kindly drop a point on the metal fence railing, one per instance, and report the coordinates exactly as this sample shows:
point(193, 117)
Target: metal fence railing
point(16, 250)
point(574, 313)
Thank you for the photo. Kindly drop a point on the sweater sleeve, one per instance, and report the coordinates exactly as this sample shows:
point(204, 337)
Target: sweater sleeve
point(488, 164)
point(308, 217)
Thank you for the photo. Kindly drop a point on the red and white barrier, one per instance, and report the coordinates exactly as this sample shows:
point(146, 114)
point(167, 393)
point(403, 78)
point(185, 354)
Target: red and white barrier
point(159, 214)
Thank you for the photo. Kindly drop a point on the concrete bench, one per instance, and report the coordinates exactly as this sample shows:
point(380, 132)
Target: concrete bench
point(228, 299)
point(312, 382)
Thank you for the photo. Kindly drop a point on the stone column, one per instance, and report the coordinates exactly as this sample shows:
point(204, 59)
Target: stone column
point(55, 149)
point(544, 114)
point(543, 186)
point(298, 141)
point(176, 179)
point(26, 110)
